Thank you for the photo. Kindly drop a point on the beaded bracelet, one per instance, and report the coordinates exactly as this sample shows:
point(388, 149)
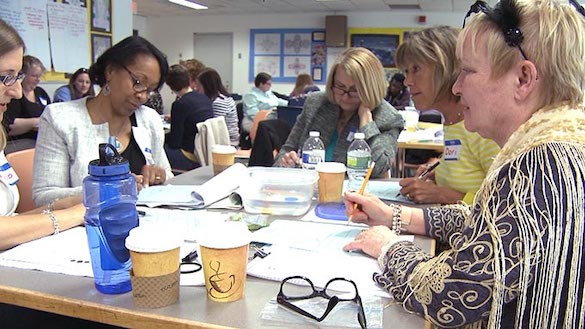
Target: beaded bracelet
point(49, 212)
point(396, 218)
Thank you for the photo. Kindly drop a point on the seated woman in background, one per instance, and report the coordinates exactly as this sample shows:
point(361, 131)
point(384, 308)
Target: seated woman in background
point(515, 258)
point(429, 61)
point(70, 132)
point(209, 83)
point(79, 86)
point(194, 66)
point(353, 102)
point(398, 94)
point(189, 109)
point(155, 102)
point(303, 86)
point(259, 98)
point(21, 120)
point(47, 220)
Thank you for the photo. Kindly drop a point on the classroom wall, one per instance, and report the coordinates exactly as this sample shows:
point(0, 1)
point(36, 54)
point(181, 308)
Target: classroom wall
point(122, 25)
point(174, 35)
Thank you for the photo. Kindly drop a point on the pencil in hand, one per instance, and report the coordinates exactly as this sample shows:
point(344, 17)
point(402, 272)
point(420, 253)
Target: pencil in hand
point(363, 188)
point(424, 173)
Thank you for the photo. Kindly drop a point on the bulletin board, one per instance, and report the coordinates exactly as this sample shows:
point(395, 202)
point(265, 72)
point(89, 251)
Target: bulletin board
point(286, 53)
point(382, 42)
point(72, 26)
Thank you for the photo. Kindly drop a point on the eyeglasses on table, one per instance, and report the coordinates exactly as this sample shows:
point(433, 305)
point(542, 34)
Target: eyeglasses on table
point(336, 290)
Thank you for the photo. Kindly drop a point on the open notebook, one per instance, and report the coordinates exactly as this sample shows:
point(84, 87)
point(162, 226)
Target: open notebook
point(198, 196)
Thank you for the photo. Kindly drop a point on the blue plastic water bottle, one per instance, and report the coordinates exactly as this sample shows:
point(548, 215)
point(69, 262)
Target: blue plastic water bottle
point(109, 197)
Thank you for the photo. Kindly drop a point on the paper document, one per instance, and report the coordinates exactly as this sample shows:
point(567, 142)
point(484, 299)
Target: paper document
point(314, 250)
point(197, 196)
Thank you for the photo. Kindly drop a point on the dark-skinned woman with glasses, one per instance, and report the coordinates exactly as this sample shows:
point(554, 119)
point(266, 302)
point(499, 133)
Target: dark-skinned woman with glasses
point(70, 132)
point(515, 257)
point(353, 102)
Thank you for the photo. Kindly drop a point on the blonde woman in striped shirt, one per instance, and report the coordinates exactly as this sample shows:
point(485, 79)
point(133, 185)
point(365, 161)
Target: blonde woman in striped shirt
point(209, 83)
point(428, 58)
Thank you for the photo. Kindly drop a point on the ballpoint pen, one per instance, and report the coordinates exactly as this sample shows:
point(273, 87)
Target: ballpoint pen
point(425, 172)
point(428, 170)
point(362, 189)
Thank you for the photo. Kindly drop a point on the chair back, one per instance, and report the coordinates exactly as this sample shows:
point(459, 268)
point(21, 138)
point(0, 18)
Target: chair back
point(260, 115)
point(288, 114)
point(22, 163)
point(210, 132)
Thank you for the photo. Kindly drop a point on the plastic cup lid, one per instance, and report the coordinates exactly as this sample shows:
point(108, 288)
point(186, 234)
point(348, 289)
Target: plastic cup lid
point(330, 167)
point(225, 149)
point(153, 238)
point(223, 235)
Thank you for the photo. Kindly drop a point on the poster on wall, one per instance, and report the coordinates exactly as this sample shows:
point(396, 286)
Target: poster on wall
point(286, 53)
point(268, 64)
point(382, 45)
point(101, 16)
point(29, 18)
point(99, 44)
point(69, 35)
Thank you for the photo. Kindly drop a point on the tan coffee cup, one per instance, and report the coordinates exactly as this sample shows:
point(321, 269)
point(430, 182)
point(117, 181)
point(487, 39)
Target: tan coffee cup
point(222, 156)
point(154, 250)
point(224, 257)
point(331, 176)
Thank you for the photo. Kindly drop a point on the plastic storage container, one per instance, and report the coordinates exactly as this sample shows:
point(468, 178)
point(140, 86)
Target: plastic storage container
point(278, 191)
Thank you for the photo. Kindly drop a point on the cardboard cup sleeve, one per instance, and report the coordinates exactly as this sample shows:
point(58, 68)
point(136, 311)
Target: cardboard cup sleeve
point(155, 291)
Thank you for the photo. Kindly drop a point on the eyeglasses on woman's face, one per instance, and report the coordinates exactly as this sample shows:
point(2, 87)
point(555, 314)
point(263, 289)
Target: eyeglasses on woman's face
point(295, 288)
point(338, 90)
point(9, 80)
point(138, 86)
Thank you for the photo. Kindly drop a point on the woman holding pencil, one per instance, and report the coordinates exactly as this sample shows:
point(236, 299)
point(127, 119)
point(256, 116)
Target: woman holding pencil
point(428, 59)
point(514, 259)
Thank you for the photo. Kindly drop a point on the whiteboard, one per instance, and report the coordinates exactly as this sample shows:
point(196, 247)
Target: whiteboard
point(68, 26)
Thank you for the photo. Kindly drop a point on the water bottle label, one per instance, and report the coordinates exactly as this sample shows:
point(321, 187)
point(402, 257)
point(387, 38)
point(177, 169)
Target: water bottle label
point(311, 158)
point(358, 162)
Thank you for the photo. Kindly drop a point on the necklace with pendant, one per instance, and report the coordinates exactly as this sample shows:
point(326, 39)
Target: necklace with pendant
point(113, 139)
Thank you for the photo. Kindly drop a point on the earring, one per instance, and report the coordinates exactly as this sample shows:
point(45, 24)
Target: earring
point(106, 90)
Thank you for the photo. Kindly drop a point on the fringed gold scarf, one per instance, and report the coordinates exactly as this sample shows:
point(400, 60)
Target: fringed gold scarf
point(559, 127)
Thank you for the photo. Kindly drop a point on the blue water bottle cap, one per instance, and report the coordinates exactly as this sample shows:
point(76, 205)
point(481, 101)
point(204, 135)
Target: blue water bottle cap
point(110, 163)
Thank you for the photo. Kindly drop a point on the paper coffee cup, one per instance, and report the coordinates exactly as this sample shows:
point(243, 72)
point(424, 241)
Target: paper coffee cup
point(410, 116)
point(222, 156)
point(331, 176)
point(154, 250)
point(224, 257)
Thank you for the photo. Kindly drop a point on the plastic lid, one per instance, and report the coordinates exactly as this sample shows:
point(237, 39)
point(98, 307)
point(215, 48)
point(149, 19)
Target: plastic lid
point(359, 136)
point(153, 238)
point(314, 133)
point(223, 235)
point(330, 167)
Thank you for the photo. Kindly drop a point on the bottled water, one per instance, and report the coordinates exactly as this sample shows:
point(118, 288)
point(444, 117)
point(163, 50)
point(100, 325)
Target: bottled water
point(109, 196)
point(359, 157)
point(313, 151)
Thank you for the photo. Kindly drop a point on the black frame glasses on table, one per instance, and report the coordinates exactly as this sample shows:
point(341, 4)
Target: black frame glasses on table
point(9, 80)
point(295, 288)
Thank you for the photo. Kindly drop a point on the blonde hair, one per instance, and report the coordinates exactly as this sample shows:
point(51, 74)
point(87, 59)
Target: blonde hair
point(553, 41)
point(366, 70)
point(303, 81)
point(194, 67)
point(435, 46)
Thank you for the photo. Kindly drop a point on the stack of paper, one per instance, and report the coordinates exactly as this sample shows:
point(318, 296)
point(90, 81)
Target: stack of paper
point(197, 196)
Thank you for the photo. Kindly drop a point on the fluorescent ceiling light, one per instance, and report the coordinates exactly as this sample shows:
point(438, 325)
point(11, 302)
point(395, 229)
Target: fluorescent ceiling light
point(188, 4)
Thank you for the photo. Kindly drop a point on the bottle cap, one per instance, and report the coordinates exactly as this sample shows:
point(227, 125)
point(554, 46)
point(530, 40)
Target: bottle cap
point(359, 136)
point(110, 162)
point(314, 133)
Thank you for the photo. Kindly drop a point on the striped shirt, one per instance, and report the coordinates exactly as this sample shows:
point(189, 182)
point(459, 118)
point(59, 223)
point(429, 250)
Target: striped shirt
point(225, 105)
point(466, 173)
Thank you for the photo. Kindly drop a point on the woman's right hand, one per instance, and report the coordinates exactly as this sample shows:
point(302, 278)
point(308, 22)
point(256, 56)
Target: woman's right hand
point(290, 159)
point(370, 210)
